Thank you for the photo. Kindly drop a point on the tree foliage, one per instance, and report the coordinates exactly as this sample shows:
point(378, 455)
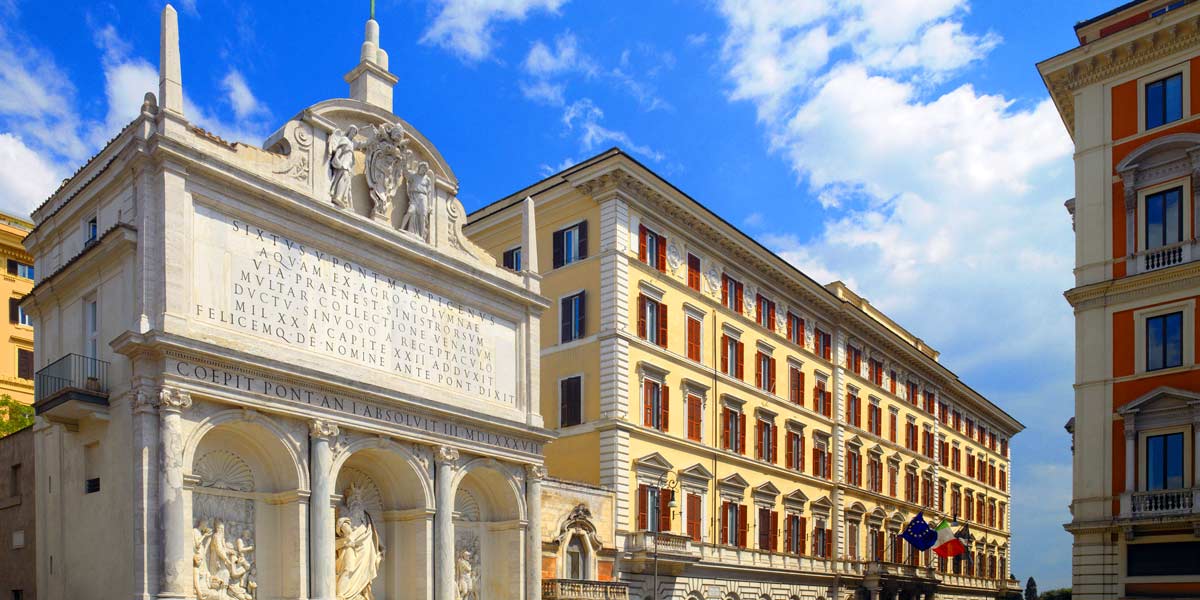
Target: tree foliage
point(1057, 594)
point(1031, 590)
point(14, 416)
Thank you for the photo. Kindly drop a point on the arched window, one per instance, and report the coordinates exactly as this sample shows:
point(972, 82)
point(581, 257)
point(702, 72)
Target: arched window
point(576, 555)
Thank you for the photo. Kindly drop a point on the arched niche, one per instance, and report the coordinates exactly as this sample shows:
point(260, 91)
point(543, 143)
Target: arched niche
point(578, 545)
point(488, 530)
point(243, 487)
point(395, 488)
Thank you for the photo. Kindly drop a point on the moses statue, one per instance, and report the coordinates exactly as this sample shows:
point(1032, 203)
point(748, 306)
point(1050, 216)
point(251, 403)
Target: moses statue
point(357, 549)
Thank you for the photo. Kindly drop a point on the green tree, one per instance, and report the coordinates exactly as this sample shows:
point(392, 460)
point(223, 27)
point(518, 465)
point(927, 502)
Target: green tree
point(14, 416)
point(1057, 594)
point(1031, 590)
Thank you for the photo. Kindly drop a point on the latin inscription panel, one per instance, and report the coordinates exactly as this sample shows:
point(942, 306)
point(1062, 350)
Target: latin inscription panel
point(252, 280)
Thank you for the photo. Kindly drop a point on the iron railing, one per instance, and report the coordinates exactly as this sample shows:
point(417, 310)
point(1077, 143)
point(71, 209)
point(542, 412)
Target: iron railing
point(73, 371)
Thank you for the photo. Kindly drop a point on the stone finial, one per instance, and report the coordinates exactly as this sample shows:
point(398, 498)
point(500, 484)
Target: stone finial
point(170, 79)
point(370, 81)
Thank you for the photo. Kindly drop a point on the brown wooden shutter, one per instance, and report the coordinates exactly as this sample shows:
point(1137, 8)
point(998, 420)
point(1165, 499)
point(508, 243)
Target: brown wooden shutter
point(693, 516)
point(771, 316)
point(788, 453)
point(693, 338)
point(693, 417)
point(742, 527)
point(641, 316)
point(13, 306)
point(800, 459)
point(829, 543)
point(664, 508)
point(789, 526)
point(771, 376)
point(664, 406)
point(758, 439)
point(725, 415)
point(558, 249)
point(758, 372)
point(583, 240)
point(790, 328)
point(642, 243)
point(647, 404)
point(662, 254)
point(801, 386)
point(724, 353)
point(774, 531)
point(740, 298)
point(742, 433)
point(24, 363)
point(816, 462)
point(643, 506)
point(774, 445)
point(724, 289)
point(829, 462)
point(662, 325)
point(741, 354)
point(724, 521)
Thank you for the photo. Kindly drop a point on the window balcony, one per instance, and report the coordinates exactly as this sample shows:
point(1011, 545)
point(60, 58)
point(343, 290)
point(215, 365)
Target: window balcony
point(577, 589)
point(670, 552)
point(72, 385)
point(1164, 256)
point(1163, 503)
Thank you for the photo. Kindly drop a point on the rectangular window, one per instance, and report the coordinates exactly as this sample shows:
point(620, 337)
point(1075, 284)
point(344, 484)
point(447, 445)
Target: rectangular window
point(795, 451)
point(824, 344)
point(693, 273)
point(654, 513)
point(795, 329)
point(853, 466)
point(694, 504)
point(893, 480)
point(822, 461)
point(1164, 341)
point(1164, 101)
point(733, 524)
point(892, 428)
point(853, 414)
point(512, 259)
point(20, 269)
point(731, 293)
point(796, 542)
point(695, 417)
point(892, 382)
point(1164, 462)
point(764, 441)
point(851, 540)
point(652, 320)
point(875, 371)
point(733, 430)
point(570, 245)
point(91, 347)
point(768, 524)
point(875, 474)
point(90, 232)
point(822, 400)
point(693, 338)
point(765, 312)
point(656, 405)
point(24, 363)
point(571, 315)
point(874, 416)
point(570, 400)
point(731, 356)
point(796, 385)
point(652, 248)
point(764, 372)
point(853, 359)
point(1164, 218)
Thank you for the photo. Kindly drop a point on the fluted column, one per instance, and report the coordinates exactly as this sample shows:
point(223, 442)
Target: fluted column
point(443, 524)
point(533, 531)
point(320, 513)
point(176, 559)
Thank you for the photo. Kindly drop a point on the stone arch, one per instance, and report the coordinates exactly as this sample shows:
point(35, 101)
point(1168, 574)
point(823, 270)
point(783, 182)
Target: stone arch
point(489, 510)
point(243, 482)
point(238, 420)
point(695, 595)
point(397, 493)
point(1181, 142)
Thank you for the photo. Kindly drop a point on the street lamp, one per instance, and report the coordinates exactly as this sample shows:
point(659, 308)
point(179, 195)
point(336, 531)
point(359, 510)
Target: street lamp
point(664, 483)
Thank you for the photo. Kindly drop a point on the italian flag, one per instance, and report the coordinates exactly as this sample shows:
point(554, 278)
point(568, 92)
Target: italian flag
point(947, 545)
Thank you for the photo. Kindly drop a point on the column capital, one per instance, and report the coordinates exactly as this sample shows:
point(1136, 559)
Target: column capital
point(322, 430)
point(173, 400)
point(1130, 427)
point(445, 455)
point(535, 472)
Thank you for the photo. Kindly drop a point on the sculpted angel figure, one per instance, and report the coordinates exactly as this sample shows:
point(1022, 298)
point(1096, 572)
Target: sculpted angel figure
point(341, 165)
point(357, 549)
point(419, 185)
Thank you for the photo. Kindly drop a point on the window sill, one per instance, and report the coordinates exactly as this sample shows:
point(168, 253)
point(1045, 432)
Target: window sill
point(10, 502)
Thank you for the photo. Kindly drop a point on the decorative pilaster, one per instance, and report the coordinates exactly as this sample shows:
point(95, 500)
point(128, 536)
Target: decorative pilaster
point(443, 524)
point(839, 439)
point(1130, 484)
point(320, 512)
point(177, 561)
point(533, 531)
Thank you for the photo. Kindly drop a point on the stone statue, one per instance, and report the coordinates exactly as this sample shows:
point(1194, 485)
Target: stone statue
point(341, 165)
point(466, 577)
point(419, 186)
point(357, 549)
point(222, 571)
point(385, 167)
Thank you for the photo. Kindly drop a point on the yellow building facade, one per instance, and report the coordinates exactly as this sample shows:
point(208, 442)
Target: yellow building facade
point(764, 435)
point(16, 337)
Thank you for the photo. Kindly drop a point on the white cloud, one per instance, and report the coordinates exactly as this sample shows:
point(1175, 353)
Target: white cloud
point(466, 26)
point(245, 105)
point(544, 61)
point(544, 92)
point(583, 115)
point(27, 177)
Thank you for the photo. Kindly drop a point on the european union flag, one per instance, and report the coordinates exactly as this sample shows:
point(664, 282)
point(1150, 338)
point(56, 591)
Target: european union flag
point(919, 534)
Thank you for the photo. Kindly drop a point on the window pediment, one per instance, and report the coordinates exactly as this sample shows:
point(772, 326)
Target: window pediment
point(734, 483)
point(653, 463)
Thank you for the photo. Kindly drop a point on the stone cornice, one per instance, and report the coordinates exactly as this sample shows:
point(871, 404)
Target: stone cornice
point(1111, 56)
point(1125, 289)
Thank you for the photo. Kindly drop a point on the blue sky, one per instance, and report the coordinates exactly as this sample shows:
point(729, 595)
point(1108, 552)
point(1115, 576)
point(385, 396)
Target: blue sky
point(906, 147)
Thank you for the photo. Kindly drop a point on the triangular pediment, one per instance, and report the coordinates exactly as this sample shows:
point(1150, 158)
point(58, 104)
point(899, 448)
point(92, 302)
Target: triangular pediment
point(696, 471)
point(735, 481)
point(1161, 399)
point(767, 489)
point(822, 502)
point(653, 462)
point(796, 495)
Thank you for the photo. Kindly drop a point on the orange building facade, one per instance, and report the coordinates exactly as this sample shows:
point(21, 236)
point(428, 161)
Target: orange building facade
point(1129, 94)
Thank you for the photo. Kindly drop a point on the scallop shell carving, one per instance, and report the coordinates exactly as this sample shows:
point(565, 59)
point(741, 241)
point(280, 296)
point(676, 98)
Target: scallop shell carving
point(466, 506)
point(371, 496)
point(224, 470)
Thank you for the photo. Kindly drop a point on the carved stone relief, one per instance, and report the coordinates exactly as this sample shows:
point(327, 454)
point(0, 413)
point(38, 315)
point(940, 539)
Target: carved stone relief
point(358, 550)
point(387, 154)
point(223, 537)
point(713, 279)
point(674, 257)
point(466, 567)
